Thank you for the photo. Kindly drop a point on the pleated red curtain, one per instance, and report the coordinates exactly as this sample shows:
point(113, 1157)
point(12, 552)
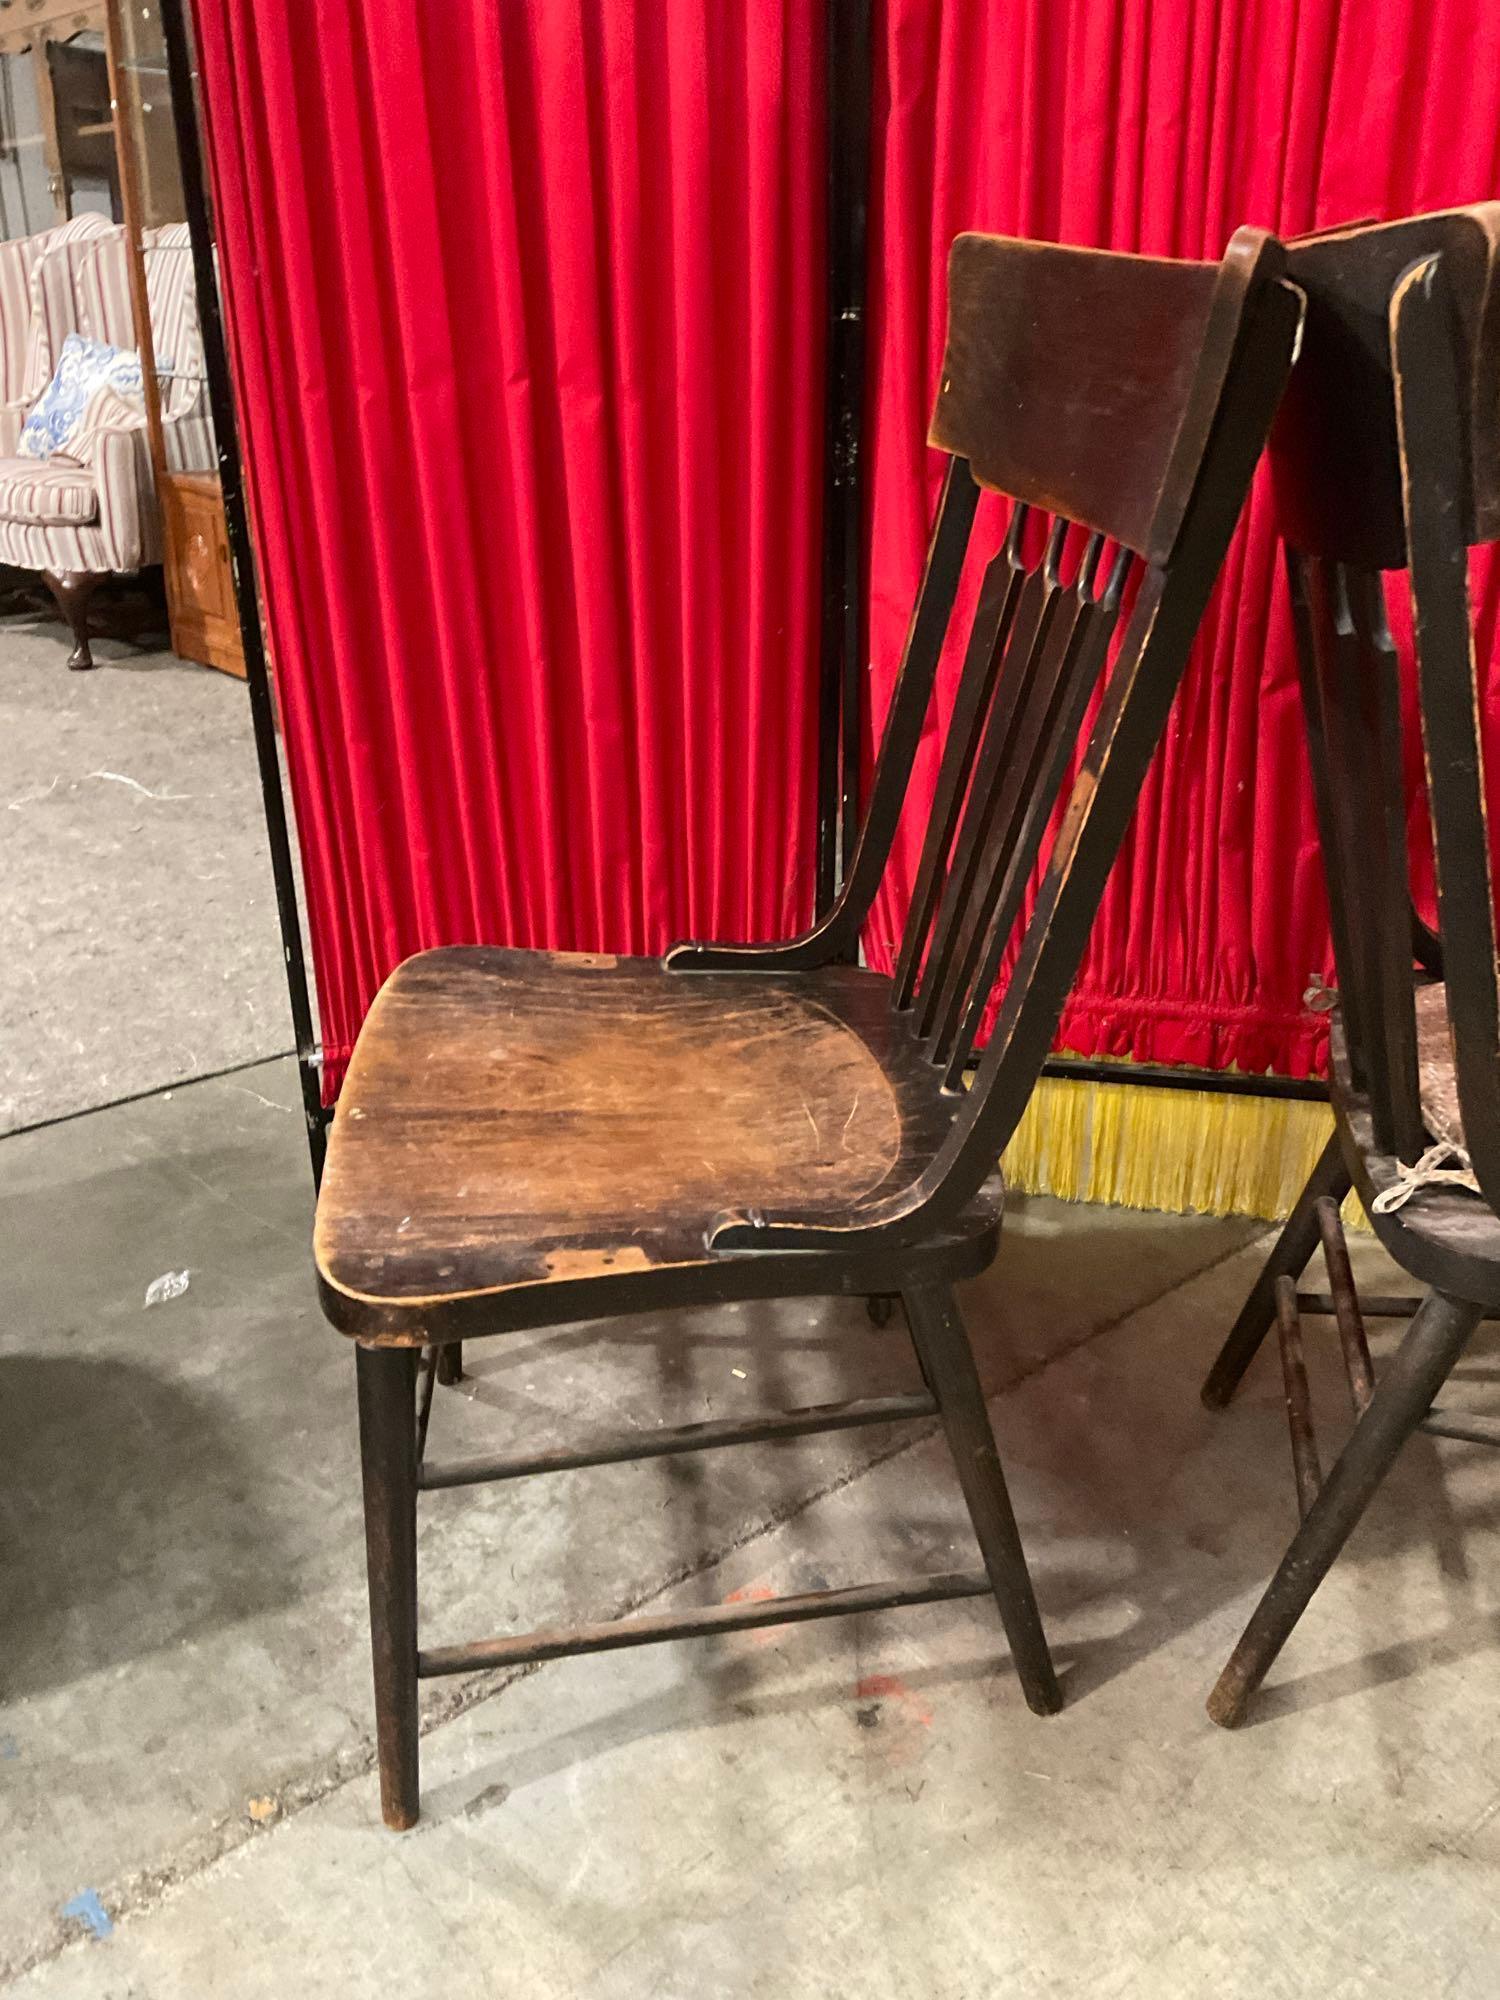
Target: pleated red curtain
point(1160, 125)
point(525, 306)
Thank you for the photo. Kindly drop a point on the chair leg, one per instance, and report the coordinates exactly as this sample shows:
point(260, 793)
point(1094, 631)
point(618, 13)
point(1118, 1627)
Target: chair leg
point(386, 1378)
point(73, 589)
point(1294, 1246)
point(943, 1350)
point(450, 1363)
point(1435, 1339)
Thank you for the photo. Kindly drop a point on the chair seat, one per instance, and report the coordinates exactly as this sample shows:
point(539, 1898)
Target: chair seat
point(48, 491)
point(1444, 1235)
point(514, 1122)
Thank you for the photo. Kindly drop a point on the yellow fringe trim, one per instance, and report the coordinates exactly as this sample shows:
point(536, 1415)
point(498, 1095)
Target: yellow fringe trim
point(1187, 1151)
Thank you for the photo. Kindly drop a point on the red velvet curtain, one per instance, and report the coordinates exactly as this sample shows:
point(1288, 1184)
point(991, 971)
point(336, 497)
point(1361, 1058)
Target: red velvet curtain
point(525, 304)
point(1159, 125)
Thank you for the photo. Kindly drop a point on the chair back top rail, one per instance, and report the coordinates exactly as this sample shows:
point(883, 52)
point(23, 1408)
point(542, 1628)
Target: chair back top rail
point(1087, 381)
point(1121, 403)
point(1335, 453)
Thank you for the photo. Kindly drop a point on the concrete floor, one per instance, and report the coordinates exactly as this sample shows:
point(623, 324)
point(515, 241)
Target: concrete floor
point(859, 1807)
point(135, 869)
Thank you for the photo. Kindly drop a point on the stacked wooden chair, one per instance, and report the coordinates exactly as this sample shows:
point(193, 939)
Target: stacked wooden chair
point(1387, 457)
point(526, 1138)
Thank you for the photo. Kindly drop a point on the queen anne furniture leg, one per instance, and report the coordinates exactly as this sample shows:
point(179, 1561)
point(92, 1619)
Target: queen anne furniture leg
point(73, 592)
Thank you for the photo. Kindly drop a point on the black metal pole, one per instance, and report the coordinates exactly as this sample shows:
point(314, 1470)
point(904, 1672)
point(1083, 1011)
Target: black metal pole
point(242, 561)
point(841, 679)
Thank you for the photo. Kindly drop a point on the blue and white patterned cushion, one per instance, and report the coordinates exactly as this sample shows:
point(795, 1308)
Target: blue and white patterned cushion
point(84, 367)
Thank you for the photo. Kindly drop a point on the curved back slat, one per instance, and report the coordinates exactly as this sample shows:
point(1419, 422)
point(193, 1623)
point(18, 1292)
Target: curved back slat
point(999, 596)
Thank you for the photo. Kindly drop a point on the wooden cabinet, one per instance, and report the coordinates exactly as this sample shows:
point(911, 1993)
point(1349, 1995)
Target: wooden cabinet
point(200, 582)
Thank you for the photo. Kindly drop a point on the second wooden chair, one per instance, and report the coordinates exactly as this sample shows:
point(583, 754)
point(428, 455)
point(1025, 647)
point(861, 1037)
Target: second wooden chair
point(1387, 457)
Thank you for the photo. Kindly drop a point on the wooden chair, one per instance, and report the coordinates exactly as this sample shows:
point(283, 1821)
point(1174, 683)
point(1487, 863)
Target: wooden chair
point(1386, 456)
point(526, 1138)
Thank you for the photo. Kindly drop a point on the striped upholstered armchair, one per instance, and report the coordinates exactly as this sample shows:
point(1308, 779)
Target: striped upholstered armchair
point(93, 512)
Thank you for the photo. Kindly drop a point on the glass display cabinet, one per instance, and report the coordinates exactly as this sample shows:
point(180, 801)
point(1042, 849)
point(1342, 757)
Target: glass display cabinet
point(195, 547)
point(57, 148)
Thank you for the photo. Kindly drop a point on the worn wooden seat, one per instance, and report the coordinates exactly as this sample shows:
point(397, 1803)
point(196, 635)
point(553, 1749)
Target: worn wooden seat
point(536, 1134)
point(1386, 457)
point(1446, 1235)
point(527, 1137)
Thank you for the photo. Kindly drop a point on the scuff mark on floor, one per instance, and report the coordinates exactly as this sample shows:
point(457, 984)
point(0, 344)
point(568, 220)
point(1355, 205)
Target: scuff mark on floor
point(86, 1908)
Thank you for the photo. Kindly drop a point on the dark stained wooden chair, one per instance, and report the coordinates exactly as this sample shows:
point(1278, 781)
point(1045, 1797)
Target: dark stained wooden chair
point(526, 1138)
point(1386, 456)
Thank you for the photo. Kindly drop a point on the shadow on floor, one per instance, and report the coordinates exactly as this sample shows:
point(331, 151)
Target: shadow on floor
point(128, 1520)
point(1197, 1508)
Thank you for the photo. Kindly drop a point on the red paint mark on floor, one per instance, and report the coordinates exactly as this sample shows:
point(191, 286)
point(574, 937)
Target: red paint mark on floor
point(899, 1722)
point(754, 1593)
point(891, 1687)
point(750, 1593)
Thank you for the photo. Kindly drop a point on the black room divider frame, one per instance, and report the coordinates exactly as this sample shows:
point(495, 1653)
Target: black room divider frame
point(850, 69)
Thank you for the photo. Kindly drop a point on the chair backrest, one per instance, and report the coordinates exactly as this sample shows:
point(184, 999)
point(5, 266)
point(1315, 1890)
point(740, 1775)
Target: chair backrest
point(171, 292)
point(1120, 403)
point(168, 256)
point(18, 261)
point(58, 304)
point(106, 311)
point(100, 280)
point(1386, 456)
